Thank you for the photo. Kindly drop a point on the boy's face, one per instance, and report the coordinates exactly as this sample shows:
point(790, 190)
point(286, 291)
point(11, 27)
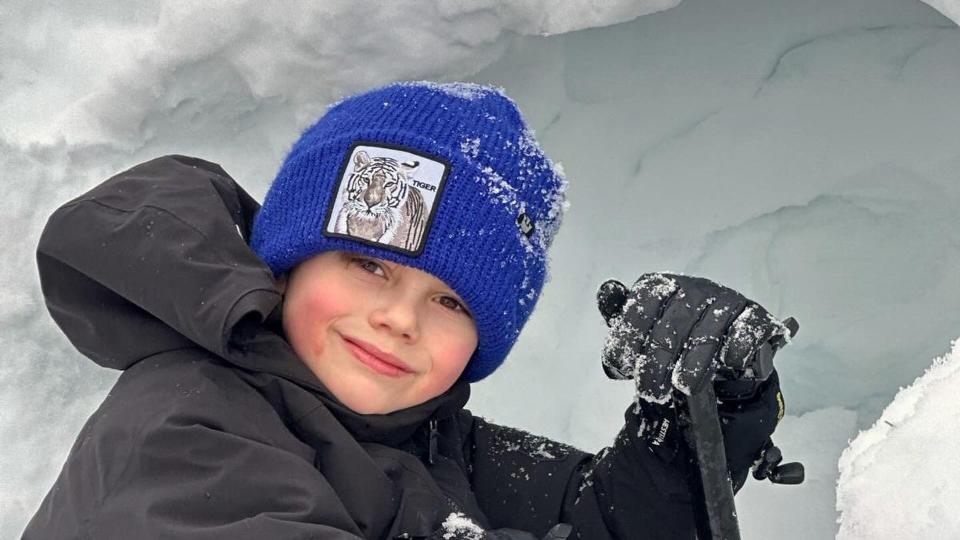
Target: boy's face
point(344, 312)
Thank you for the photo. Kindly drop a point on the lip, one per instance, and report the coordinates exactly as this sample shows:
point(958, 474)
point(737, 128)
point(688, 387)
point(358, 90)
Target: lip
point(379, 361)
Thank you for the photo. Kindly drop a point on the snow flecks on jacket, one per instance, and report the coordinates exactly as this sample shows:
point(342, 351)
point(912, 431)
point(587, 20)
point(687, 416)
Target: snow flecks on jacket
point(586, 478)
point(509, 440)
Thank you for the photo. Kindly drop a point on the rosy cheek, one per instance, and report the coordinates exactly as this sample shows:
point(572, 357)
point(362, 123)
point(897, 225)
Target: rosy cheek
point(310, 318)
point(320, 307)
point(457, 355)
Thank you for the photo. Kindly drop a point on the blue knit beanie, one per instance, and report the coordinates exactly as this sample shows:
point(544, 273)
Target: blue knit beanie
point(445, 178)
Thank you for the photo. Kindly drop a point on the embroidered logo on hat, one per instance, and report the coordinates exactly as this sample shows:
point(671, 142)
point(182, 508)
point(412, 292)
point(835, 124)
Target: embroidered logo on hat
point(386, 197)
point(525, 224)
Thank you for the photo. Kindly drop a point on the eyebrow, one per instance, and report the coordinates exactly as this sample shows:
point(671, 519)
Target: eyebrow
point(392, 265)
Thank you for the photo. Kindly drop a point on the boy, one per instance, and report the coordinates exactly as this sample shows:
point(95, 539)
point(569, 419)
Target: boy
point(311, 383)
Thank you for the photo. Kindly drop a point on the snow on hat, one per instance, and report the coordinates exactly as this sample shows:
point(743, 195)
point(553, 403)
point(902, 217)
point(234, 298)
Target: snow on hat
point(446, 178)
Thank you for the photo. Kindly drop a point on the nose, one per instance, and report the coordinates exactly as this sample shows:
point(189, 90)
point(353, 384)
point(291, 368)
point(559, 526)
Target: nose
point(397, 314)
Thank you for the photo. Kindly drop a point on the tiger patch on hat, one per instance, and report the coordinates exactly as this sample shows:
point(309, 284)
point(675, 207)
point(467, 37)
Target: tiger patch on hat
point(386, 197)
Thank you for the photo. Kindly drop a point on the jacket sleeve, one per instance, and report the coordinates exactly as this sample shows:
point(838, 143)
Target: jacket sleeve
point(263, 492)
point(624, 491)
point(187, 468)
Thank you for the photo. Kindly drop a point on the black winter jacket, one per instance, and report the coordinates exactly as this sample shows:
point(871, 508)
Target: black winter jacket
point(215, 429)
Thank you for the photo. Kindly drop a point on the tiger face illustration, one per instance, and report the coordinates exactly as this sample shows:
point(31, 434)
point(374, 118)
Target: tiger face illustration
point(381, 204)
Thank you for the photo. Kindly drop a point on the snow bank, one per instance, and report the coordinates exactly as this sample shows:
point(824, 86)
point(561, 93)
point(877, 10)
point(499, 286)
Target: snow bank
point(112, 72)
point(899, 479)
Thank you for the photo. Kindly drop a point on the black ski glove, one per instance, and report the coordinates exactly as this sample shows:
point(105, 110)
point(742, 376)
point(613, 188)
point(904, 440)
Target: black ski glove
point(672, 334)
point(747, 426)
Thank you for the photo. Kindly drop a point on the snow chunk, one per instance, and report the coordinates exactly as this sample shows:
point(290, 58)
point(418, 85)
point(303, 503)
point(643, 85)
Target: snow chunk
point(897, 479)
point(457, 526)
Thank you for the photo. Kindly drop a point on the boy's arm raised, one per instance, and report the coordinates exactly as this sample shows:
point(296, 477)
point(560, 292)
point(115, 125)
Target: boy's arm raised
point(672, 335)
point(624, 491)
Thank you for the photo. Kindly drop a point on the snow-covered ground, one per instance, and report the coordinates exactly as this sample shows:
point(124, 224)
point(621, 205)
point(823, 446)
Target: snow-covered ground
point(802, 152)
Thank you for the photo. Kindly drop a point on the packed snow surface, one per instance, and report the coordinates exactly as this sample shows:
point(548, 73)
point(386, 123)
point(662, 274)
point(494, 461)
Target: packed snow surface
point(898, 479)
point(803, 153)
point(123, 67)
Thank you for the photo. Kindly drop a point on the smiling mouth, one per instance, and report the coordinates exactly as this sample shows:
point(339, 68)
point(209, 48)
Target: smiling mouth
point(374, 362)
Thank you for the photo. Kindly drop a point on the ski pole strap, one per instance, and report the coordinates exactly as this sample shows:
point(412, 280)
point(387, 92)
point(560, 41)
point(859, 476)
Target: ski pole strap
point(706, 440)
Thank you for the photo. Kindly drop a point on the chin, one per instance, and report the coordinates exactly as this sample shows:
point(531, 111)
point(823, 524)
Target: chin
point(360, 405)
point(366, 408)
point(375, 409)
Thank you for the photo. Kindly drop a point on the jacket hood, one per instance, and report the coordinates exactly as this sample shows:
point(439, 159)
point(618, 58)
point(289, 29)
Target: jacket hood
point(156, 259)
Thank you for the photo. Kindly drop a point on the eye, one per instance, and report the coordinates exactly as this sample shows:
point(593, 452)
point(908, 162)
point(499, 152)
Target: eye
point(370, 266)
point(454, 304)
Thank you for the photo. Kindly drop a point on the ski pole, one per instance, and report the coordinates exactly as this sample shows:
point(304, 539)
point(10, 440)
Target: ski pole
point(718, 513)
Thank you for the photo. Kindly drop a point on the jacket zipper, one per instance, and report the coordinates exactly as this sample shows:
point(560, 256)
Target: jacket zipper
point(432, 443)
